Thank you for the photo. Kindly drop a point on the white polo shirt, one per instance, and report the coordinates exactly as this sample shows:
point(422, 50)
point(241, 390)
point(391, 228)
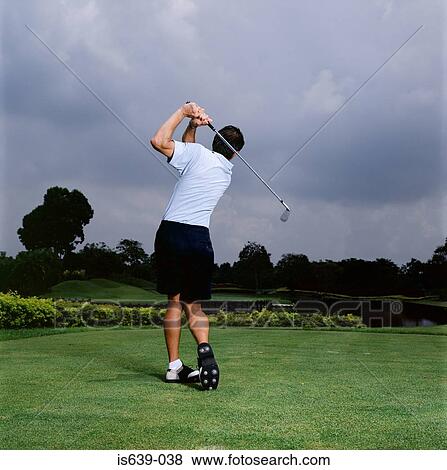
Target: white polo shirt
point(204, 177)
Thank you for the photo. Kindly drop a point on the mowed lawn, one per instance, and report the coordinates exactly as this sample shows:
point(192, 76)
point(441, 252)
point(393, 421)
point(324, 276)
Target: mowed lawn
point(280, 389)
point(104, 289)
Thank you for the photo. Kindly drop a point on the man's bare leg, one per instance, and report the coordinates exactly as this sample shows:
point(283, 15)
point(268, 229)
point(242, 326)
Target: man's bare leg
point(198, 322)
point(199, 326)
point(171, 325)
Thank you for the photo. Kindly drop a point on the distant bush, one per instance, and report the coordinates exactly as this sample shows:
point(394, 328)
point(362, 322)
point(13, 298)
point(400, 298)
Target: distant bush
point(74, 275)
point(29, 312)
point(267, 318)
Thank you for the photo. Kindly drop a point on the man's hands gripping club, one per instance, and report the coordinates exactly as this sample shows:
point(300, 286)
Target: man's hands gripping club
point(202, 120)
point(162, 140)
point(197, 115)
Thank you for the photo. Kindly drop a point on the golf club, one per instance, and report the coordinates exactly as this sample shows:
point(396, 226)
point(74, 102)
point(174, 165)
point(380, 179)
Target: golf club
point(285, 215)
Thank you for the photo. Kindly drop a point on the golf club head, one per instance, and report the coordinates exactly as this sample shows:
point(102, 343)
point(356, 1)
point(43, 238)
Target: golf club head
point(285, 215)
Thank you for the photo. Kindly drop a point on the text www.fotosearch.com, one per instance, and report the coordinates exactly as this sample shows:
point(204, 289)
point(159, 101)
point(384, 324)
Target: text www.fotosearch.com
point(241, 459)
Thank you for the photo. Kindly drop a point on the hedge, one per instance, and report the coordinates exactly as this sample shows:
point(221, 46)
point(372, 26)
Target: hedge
point(26, 312)
point(88, 314)
point(31, 312)
point(267, 318)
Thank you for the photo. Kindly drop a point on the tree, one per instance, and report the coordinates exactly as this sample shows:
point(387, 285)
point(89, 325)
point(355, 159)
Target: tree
point(327, 275)
point(6, 269)
point(436, 270)
point(254, 268)
point(354, 279)
point(413, 275)
point(132, 252)
point(440, 254)
point(361, 277)
point(384, 277)
point(35, 271)
point(57, 224)
point(146, 270)
point(294, 271)
point(223, 274)
point(99, 260)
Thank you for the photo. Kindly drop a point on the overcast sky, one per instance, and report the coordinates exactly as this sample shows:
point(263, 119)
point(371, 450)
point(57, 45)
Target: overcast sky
point(372, 184)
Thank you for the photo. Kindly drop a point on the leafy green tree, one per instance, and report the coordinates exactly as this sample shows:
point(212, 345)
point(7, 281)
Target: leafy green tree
point(132, 252)
point(224, 274)
point(355, 277)
point(99, 260)
point(6, 268)
point(436, 270)
point(294, 271)
point(384, 277)
point(254, 268)
point(146, 270)
point(327, 275)
point(57, 224)
point(440, 254)
point(361, 277)
point(413, 276)
point(35, 271)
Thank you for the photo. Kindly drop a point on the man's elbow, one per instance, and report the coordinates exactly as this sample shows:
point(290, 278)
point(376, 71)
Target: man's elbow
point(156, 143)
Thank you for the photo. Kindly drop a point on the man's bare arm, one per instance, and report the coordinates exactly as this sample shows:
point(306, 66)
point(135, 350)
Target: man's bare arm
point(190, 133)
point(162, 140)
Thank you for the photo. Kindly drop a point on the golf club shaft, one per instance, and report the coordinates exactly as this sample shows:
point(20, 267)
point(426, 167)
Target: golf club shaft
point(225, 141)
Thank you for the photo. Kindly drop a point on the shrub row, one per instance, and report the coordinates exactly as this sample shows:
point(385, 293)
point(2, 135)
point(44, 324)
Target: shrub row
point(18, 312)
point(26, 312)
point(88, 314)
point(267, 318)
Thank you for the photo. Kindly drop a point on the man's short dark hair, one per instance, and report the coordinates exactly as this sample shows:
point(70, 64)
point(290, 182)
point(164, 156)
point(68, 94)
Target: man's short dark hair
point(234, 136)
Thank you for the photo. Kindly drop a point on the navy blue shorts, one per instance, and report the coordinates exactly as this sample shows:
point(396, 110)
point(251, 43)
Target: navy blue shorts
point(184, 259)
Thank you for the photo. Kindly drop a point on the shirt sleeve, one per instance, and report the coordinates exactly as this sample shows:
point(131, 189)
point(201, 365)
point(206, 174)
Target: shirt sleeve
point(183, 154)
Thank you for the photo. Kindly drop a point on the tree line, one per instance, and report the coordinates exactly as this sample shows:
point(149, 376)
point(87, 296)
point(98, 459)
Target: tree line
point(53, 230)
point(352, 276)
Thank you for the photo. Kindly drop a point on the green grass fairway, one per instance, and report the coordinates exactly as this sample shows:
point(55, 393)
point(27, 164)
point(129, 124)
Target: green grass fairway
point(104, 289)
point(280, 389)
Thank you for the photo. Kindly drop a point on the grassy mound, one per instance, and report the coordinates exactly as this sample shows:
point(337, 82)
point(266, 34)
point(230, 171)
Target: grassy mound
point(103, 289)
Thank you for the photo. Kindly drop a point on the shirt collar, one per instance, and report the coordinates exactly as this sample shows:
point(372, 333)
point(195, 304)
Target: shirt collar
point(224, 160)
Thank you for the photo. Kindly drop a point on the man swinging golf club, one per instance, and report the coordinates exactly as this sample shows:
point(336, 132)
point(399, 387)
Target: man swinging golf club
point(183, 250)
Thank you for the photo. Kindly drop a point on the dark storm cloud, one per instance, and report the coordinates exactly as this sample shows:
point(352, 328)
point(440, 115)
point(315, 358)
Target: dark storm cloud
point(371, 161)
point(275, 69)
